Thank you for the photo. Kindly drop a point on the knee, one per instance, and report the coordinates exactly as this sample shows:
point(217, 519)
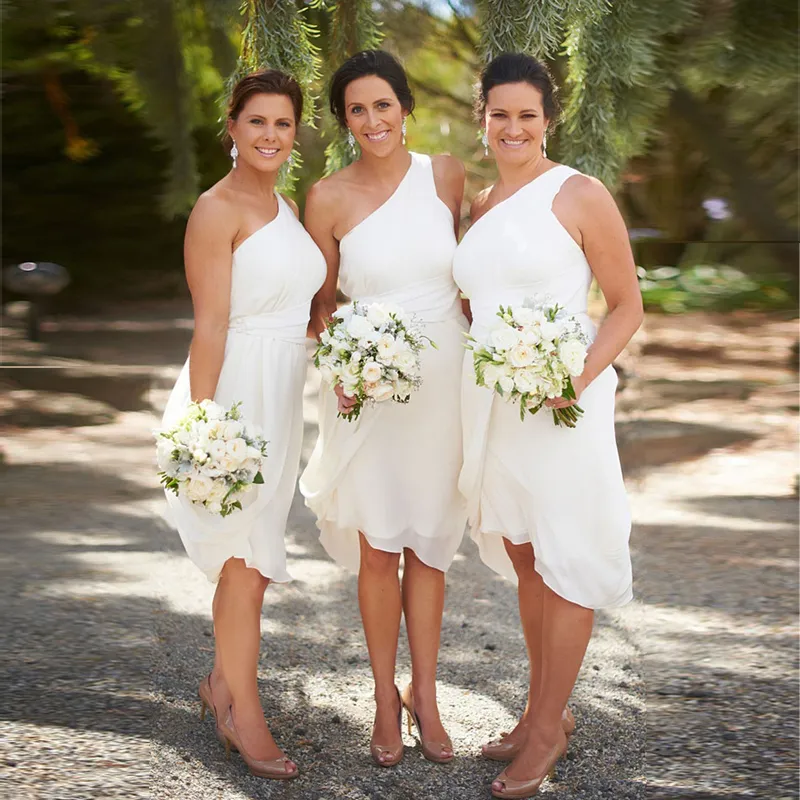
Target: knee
point(379, 561)
point(244, 580)
point(522, 558)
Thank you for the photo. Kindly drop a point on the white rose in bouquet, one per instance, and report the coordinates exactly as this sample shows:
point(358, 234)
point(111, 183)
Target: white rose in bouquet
point(372, 372)
point(377, 314)
point(503, 338)
point(573, 353)
point(359, 327)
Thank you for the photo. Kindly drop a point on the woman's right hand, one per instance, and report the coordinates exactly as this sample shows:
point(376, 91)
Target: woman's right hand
point(346, 404)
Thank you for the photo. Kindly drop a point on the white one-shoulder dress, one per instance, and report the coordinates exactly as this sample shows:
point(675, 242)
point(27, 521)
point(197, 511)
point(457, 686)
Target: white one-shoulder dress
point(393, 473)
point(274, 275)
point(532, 481)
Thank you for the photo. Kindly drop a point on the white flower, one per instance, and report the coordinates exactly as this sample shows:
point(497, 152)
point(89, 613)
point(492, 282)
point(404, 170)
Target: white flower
point(492, 375)
point(380, 392)
point(198, 487)
point(199, 456)
point(573, 353)
point(359, 327)
point(237, 450)
point(214, 508)
point(254, 454)
point(356, 356)
point(325, 337)
point(405, 361)
point(217, 449)
point(327, 374)
point(215, 429)
point(233, 430)
point(506, 384)
point(531, 336)
point(523, 315)
point(164, 449)
point(549, 330)
point(402, 389)
point(504, 337)
point(218, 492)
point(521, 355)
point(372, 372)
point(386, 348)
point(377, 314)
point(213, 410)
point(526, 381)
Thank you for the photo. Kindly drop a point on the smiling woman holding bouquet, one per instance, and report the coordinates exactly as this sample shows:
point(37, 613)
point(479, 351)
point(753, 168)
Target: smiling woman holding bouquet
point(547, 504)
point(252, 270)
point(385, 484)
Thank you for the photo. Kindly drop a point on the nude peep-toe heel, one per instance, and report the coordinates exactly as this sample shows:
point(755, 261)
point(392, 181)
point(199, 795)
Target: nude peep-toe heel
point(383, 755)
point(517, 790)
point(207, 704)
point(276, 769)
point(433, 751)
point(501, 750)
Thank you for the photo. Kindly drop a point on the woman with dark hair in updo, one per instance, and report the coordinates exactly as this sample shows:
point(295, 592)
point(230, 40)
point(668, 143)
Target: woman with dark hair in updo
point(252, 270)
point(385, 485)
point(547, 504)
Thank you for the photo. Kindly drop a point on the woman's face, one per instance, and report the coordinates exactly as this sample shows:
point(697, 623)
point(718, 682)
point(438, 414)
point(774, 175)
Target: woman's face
point(515, 122)
point(374, 115)
point(264, 131)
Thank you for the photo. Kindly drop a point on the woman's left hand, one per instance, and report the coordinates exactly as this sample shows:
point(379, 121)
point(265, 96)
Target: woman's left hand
point(578, 384)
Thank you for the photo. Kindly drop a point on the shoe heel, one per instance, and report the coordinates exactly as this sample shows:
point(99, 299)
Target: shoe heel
point(203, 707)
point(227, 748)
point(409, 722)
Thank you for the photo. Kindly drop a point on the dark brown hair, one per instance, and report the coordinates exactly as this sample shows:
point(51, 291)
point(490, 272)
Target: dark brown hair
point(265, 81)
point(519, 68)
point(369, 62)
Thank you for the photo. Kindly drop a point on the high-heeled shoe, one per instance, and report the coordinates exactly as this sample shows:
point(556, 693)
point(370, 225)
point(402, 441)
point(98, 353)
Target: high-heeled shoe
point(275, 769)
point(501, 750)
point(383, 755)
point(207, 704)
point(517, 790)
point(433, 751)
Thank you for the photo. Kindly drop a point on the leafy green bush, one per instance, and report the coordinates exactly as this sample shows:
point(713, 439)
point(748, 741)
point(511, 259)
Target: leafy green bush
point(717, 288)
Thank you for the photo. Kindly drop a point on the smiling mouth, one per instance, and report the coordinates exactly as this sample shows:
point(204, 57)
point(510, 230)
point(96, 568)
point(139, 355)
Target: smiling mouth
point(268, 152)
point(377, 137)
point(514, 142)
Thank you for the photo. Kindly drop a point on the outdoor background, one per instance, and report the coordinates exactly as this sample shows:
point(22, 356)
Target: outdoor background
point(112, 113)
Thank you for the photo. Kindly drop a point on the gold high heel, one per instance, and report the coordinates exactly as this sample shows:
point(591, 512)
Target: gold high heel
point(275, 769)
point(517, 790)
point(500, 750)
point(433, 751)
point(391, 756)
point(207, 704)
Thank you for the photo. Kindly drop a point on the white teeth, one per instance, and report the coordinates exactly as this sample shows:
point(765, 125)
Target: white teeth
point(377, 137)
point(267, 151)
point(513, 143)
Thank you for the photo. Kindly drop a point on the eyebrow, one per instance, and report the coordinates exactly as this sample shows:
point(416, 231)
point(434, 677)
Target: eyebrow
point(524, 110)
point(379, 100)
point(260, 116)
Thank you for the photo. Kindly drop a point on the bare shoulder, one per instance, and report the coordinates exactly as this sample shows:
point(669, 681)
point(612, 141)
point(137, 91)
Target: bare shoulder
point(214, 213)
point(480, 204)
point(587, 192)
point(448, 168)
point(327, 193)
point(291, 203)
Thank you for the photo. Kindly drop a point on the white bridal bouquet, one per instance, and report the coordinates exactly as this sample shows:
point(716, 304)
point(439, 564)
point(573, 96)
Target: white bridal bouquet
point(373, 352)
point(211, 456)
point(532, 356)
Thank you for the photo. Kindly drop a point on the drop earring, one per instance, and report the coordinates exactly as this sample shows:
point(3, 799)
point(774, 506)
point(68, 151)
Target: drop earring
point(485, 142)
point(290, 161)
point(234, 153)
point(544, 145)
point(351, 141)
point(403, 129)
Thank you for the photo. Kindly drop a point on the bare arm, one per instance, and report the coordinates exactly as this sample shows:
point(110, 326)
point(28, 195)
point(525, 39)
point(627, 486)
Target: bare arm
point(320, 218)
point(589, 207)
point(207, 254)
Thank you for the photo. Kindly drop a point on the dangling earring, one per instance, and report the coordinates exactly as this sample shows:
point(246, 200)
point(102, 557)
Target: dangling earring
point(403, 129)
point(544, 144)
point(290, 161)
point(234, 153)
point(351, 141)
point(485, 142)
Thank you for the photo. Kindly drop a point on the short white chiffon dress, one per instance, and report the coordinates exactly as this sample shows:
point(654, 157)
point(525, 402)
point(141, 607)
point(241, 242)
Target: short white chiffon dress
point(393, 472)
point(531, 481)
point(275, 274)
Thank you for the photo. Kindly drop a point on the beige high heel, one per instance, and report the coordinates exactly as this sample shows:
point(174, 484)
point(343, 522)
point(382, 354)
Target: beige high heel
point(207, 704)
point(276, 769)
point(433, 751)
point(517, 790)
point(500, 750)
point(385, 756)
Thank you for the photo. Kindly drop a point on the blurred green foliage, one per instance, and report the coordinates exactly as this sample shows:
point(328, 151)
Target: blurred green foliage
point(113, 113)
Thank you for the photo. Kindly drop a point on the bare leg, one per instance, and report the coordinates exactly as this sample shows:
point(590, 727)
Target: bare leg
point(566, 631)
point(219, 688)
point(380, 605)
point(531, 598)
point(423, 604)
point(237, 622)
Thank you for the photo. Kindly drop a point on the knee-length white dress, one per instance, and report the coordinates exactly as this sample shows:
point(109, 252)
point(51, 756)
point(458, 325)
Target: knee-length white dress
point(275, 274)
point(532, 481)
point(393, 473)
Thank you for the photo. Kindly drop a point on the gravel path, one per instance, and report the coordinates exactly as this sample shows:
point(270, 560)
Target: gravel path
point(689, 692)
